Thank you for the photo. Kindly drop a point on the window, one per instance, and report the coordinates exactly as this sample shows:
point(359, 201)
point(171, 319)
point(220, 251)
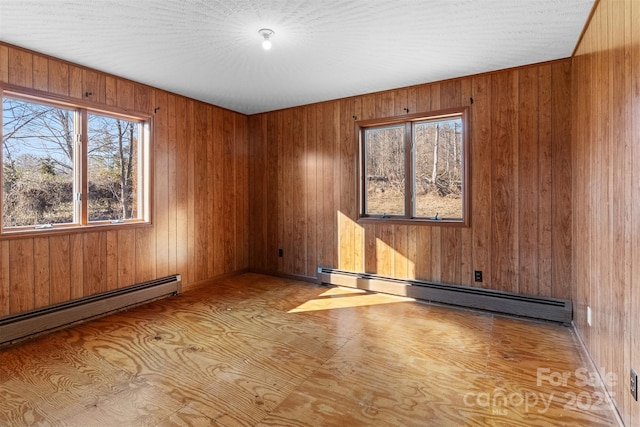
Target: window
point(414, 168)
point(65, 165)
point(112, 168)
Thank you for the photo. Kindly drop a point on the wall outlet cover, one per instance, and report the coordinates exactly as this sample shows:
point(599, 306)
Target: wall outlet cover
point(477, 275)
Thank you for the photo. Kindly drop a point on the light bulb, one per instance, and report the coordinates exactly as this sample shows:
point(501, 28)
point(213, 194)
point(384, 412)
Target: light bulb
point(266, 33)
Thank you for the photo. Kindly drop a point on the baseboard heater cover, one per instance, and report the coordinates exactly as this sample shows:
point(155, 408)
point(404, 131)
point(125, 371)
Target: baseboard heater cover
point(550, 309)
point(41, 320)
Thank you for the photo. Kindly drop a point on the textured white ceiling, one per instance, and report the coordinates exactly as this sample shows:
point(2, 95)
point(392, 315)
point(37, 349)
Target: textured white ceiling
point(322, 49)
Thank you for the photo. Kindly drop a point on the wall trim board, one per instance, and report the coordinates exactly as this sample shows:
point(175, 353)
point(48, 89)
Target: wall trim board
point(593, 369)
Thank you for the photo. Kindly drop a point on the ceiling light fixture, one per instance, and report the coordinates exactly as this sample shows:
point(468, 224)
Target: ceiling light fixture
point(266, 33)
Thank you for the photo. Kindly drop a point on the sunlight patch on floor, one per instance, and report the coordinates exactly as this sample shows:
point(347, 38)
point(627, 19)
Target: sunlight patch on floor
point(339, 290)
point(346, 298)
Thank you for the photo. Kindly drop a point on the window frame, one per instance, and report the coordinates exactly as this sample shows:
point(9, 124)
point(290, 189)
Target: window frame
point(82, 110)
point(408, 120)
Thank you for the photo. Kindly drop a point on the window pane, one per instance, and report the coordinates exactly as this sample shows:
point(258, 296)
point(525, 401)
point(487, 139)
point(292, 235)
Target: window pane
point(438, 168)
point(37, 157)
point(112, 168)
point(385, 170)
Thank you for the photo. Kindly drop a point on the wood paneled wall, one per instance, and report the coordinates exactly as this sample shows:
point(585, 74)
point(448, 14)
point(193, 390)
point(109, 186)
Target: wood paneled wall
point(606, 193)
point(554, 191)
point(200, 222)
point(303, 186)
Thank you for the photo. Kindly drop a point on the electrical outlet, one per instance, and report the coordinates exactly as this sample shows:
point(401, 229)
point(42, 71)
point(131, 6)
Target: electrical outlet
point(280, 253)
point(477, 275)
point(589, 315)
point(633, 384)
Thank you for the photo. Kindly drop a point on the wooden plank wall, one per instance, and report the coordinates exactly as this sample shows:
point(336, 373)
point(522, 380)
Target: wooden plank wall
point(606, 191)
point(200, 226)
point(303, 187)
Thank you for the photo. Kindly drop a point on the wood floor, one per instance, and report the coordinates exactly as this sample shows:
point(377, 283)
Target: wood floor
point(262, 351)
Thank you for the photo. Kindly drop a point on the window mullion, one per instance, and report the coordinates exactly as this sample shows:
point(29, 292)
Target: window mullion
point(83, 166)
point(408, 161)
point(362, 171)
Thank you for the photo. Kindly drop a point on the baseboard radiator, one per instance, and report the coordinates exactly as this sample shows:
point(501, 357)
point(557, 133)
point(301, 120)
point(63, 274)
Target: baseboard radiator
point(41, 320)
point(549, 309)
